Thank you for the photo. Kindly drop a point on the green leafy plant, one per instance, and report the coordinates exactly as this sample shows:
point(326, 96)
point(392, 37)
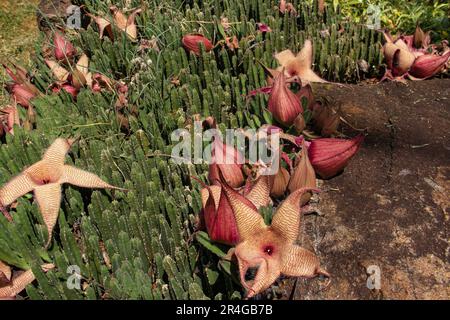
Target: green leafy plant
point(400, 16)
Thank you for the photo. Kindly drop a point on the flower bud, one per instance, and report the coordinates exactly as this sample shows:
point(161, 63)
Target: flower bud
point(191, 42)
point(283, 103)
point(226, 165)
point(9, 116)
point(326, 120)
point(218, 216)
point(21, 93)
point(421, 39)
point(78, 79)
point(279, 183)
point(60, 73)
point(329, 156)
point(306, 93)
point(64, 49)
point(303, 176)
point(428, 65)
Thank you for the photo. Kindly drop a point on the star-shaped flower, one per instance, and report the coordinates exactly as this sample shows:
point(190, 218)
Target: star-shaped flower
point(271, 248)
point(45, 178)
point(298, 65)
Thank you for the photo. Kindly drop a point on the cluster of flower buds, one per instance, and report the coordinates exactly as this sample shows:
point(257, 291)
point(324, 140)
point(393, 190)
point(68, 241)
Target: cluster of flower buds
point(323, 157)
point(413, 56)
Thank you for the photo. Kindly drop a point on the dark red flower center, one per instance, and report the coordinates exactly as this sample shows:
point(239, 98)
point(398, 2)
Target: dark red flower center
point(292, 72)
point(42, 180)
point(268, 249)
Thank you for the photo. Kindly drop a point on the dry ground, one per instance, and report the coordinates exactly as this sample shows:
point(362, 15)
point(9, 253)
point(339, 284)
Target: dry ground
point(391, 207)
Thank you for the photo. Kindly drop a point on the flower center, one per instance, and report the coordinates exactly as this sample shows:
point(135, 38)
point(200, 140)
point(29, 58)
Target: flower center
point(268, 249)
point(292, 72)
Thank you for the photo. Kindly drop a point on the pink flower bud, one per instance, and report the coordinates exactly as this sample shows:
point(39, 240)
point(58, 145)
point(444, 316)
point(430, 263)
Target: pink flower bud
point(428, 65)
point(21, 93)
point(283, 103)
point(329, 156)
point(191, 42)
point(64, 49)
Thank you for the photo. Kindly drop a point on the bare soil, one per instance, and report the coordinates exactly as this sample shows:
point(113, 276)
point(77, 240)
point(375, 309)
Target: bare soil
point(390, 208)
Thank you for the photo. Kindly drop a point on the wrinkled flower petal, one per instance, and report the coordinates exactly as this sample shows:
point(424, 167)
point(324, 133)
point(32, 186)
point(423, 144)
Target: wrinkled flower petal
point(300, 64)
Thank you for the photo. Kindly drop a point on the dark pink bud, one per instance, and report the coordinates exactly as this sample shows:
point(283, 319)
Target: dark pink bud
point(329, 156)
point(218, 216)
point(428, 65)
point(284, 105)
point(263, 27)
point(64, 49)
point(21, 93)
point(191, 42)
point(226, 163)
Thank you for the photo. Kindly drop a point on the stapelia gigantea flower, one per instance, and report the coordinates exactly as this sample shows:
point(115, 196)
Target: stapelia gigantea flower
point(329, 156)
point(263, 27)
point(45, 178)
point(303, 176)
point(226, 164)
point(284, 105)
point(271, 248)
point(192, 41)
point(102, 25)
point(18, 283)
point(404, 59)
point(21, 89)
point(299, 65)
point(64, 49)
point(398, 57)
point(121, 21)
point(218, 216)
point(72, 81)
